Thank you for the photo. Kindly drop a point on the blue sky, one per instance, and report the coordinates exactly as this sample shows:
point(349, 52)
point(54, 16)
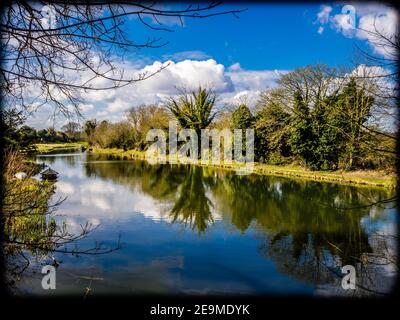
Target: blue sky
point(265, 36)
point(238, 57)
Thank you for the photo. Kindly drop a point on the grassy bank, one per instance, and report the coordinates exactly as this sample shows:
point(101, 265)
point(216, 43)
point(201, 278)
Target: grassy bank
point(49, 148)
point(371, 178)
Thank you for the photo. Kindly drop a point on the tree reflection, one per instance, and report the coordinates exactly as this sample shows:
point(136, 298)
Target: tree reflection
point(183, 186)
point(192, 206)
point(305, 227)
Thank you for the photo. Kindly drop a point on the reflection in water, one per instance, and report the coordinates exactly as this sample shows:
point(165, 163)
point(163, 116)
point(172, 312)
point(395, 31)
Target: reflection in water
point(241, 234)
point(192, 206)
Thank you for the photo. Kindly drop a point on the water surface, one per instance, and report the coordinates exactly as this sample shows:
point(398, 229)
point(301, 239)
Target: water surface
point(193, 230)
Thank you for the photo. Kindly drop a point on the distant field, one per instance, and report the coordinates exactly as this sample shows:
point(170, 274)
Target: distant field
point(48, 148)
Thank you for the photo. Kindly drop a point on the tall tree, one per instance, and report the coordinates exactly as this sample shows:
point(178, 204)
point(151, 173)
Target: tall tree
point(89, 128)
point(194, 110)
point(355, 105)
point(272, 129)
point(72, 130)
point(302, 139)
point(242, 118)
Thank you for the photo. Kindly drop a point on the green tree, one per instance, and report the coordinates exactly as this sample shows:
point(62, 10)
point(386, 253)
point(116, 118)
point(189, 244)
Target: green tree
point(72, 130)
point(302, 139)
point(242, 118)
point(27, 138)
point(272, 130)
point(89, 128)
point(146, 117)
point(355, 105)
point(194, 110)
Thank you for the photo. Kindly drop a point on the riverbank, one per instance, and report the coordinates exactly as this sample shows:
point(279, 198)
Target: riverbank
point(371, 178)
point(50, 148)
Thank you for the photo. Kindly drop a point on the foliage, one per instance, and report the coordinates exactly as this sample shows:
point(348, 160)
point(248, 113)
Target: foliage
point(242, 118)
point(194, 110)
point(323, 120)
point(72, 130)
point(146, 117)
point(89, 128)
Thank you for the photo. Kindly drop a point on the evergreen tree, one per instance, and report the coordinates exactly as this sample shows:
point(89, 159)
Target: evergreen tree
point(242, 118)
point(302, 139)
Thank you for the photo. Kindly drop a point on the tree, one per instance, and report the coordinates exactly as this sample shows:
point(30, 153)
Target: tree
point(89, 128)
point(59, 50)
point(326, 124)
point(242, 118)
point(272, 129)
point(146, 117)
point(355, 106)
point(194, 110)
point(302, 140)
point(72, 130)
point(27, 137)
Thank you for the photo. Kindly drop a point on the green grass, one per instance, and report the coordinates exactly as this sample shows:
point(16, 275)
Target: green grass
point(48, 148)
point(370, 178)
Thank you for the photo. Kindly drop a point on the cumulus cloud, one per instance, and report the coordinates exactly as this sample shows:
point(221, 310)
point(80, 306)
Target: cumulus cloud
point(254, 79)
point(235, 67)
point(385, 23)
point(249, 84)
point(344, 23)
point(229, 83)
point(187, 73)
point(248, 97)
point(86, 107)
point(362, 21)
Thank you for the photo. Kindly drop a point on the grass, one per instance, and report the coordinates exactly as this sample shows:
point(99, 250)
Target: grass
point(48, 148)
point(370, 178)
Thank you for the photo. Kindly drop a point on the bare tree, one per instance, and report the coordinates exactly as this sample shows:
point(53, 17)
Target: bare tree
point(54, 51)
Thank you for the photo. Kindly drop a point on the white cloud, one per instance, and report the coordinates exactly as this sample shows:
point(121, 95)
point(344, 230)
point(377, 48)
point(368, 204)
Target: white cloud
point(118, 105)
point(362, 21)
point(323, 14)
point(185, 55)
point(86, 107)
point(190, 73)
point(254, 79)
point(187, 73)
point(229, 83)
point(343, 23)
point(248, 97)
point(249, 84)
point(235, 67)
point(385, 23)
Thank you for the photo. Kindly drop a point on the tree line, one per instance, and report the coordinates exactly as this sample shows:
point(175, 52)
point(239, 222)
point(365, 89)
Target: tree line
point(317, 117)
